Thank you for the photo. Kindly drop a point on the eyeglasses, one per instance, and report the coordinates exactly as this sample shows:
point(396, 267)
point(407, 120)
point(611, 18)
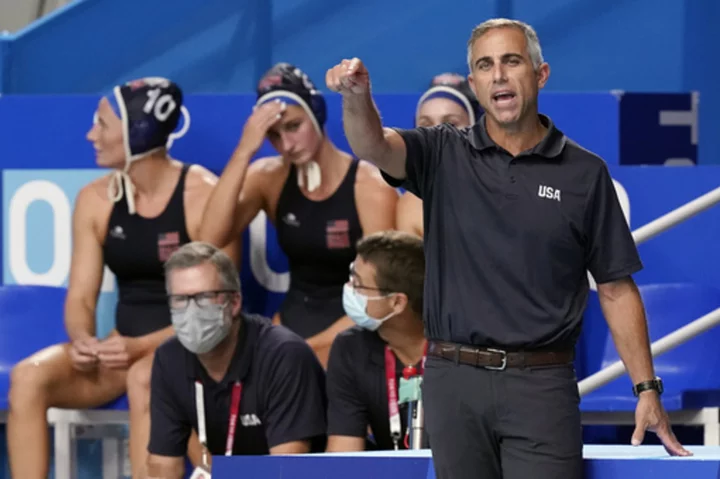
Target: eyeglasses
point(354, 281)
point(204, 299)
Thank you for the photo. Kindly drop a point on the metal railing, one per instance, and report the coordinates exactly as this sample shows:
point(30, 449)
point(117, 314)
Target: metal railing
point(681, 335)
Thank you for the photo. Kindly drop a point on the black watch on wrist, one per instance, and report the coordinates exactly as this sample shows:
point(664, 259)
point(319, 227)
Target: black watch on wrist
point(652, 385)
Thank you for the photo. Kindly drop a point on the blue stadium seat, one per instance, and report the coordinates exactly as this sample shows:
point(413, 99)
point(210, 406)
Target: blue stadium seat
point(692, 384)
point(31, 318)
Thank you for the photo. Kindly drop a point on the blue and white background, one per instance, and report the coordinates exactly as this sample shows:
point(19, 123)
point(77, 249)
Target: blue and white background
point(50, 75)
point(46, 160)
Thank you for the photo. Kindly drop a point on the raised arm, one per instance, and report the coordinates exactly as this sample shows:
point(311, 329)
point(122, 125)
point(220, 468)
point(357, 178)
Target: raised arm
point(363, 128)
point(199, 188)
point(233, 204)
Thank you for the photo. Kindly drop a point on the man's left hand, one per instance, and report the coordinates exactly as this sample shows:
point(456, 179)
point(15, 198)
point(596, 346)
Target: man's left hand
point(650, 415)
point(118, 352)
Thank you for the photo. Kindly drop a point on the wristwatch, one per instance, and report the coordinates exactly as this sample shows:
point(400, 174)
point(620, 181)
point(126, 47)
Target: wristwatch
point(652, 385)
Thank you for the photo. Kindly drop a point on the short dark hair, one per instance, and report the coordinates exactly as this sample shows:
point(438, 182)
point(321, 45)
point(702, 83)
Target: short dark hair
point(399, 261)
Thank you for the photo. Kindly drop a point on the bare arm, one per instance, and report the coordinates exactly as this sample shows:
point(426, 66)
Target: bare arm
point(376, 200)
point(623, 309)
point(345, 444)
point(86, 269)
point(235, 202)
point(363, 127)
point(165, 467)
point(409, 217)
point(227, 212)
point(369, 140)
point(198, 194)
point(294, 447)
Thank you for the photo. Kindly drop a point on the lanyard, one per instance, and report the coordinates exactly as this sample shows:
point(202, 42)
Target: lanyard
point(392, 391)
point(232, 421)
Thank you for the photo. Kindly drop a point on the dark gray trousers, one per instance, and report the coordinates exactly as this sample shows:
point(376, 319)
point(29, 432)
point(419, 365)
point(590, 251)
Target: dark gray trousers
point(511, 424)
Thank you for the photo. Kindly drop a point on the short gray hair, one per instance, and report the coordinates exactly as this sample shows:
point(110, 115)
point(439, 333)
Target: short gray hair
point(531, 38)
point(197, 253)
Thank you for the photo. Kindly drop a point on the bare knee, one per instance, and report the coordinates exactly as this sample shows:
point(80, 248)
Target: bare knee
point(29, 382)
point(138, 381)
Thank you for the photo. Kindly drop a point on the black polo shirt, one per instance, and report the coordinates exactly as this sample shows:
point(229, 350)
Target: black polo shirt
point(357, 389)
point(283, 394)
point(508, 240)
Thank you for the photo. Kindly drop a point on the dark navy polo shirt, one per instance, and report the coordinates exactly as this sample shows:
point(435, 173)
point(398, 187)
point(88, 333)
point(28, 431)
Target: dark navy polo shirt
point(508, 240)
point(357, 389)
point(283, 394)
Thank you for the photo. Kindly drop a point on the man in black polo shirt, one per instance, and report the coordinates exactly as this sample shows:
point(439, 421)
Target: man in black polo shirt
point(515, 214)
point(384, 298)
point(245, 386)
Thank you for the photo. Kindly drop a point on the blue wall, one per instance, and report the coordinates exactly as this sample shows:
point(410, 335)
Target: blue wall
point(223, 46)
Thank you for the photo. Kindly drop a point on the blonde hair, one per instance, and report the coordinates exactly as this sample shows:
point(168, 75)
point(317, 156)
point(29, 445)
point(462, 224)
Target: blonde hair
point(531, 38)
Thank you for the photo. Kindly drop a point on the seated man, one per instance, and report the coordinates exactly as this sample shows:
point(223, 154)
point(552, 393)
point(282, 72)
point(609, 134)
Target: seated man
point(245, 386)
point(384, 298)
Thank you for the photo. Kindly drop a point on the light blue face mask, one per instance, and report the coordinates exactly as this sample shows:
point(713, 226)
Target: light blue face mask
point(355, 305)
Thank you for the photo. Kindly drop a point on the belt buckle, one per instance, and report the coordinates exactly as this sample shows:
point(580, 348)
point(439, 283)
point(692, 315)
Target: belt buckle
point(502, 366)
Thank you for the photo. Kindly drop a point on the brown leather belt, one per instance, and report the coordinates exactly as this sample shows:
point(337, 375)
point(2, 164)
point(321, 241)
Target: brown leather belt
point(497, 359)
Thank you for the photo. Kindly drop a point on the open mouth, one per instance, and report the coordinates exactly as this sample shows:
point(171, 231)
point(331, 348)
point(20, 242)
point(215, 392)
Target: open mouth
point(503, 97)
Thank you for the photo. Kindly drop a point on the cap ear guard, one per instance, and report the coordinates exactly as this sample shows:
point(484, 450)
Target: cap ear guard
point(284, 77)
point(176, 135)
point(150, 111)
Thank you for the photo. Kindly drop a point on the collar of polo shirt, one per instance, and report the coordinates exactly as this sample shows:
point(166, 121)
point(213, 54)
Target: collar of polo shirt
point(550, 147)
point(241, 359)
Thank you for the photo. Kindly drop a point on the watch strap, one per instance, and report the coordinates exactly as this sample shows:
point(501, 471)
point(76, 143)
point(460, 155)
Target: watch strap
point(651, 385)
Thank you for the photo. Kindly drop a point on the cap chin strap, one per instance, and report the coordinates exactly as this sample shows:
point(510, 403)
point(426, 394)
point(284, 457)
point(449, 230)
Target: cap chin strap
point(312, 170)
point(115, 188)
point(120, 178)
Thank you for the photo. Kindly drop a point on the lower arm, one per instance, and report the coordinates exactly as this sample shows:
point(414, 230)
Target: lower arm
point(363, 128)
point(625, 315)
point(79, 320)
point(218, 225)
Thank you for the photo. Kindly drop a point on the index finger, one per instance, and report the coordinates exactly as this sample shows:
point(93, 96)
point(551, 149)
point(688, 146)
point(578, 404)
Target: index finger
point(271, 107)
point(354, 65)
point(109, 345)
point(84, 350)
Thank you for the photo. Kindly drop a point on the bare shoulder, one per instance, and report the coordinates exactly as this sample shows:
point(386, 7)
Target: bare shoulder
point(94, 194)
point(93, 206)
point(368, 176)
point(201, 176)
point(266, 174)
point(267, 166)
point(409, 200)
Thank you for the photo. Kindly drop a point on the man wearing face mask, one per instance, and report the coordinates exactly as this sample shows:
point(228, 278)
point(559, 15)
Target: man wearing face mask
point(384, 298)
point(245, 386)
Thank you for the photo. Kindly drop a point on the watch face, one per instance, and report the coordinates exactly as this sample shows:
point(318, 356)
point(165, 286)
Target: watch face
point(659, 384)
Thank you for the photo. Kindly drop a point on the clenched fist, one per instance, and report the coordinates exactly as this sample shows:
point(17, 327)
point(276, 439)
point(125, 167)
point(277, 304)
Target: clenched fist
point(349, 77)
